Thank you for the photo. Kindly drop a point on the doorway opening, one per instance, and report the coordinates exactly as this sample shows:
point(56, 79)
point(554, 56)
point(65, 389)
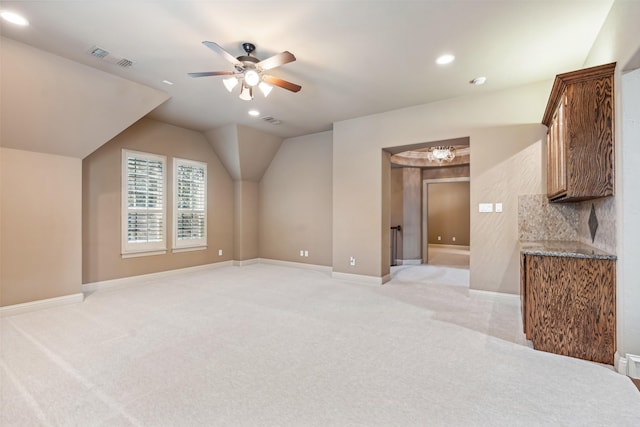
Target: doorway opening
point(446, 222)
point(417, 176)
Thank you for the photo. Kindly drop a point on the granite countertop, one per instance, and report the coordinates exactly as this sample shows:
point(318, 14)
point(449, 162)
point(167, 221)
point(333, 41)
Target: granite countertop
point(564, 249)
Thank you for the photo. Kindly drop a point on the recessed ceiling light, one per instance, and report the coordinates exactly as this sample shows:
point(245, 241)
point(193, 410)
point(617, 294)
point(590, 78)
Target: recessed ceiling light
point(14, 18)
point(254, 113)
point(167, 82)
point(445, 59)
point(478, 81)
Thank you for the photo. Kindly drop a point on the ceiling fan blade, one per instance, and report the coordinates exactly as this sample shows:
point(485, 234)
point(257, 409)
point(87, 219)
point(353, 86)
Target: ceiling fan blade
point(212, 73)
point(277, 60)
point(281, 83)
point(217, 49)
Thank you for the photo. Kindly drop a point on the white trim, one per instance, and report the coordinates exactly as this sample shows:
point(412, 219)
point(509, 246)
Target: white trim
point(315, 267)
point(360, 278)
point(143, 253)
point(246, 262)
point(195, 248)
point(134, 280)
point(137, 249)
point(11, 310)
point(633, 366)
point(411, 261)
point(620, 363)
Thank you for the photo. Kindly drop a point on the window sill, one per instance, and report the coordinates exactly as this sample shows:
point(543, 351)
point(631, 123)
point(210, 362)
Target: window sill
point(189, 249)
point(145, 253)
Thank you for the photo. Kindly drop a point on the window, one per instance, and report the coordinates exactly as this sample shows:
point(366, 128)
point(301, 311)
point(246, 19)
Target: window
point(190, 204)
point(143, 204)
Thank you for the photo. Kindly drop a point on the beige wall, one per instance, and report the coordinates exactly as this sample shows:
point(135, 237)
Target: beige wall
point(448, 215)
point(246, 153)
point(40, 226)
point(101, 206)
point(245, 221)
point(510, 164)
point(295, 201)
point(492, 121)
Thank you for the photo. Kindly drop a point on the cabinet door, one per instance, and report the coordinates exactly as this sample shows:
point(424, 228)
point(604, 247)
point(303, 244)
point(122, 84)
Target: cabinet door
point(556, 152)
point(571, 306)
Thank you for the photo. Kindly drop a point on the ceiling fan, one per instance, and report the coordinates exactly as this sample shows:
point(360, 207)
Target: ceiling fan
point(250, 71)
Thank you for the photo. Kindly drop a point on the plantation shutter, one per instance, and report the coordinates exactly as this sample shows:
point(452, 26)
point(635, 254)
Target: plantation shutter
point(144, 176)
point(190, 204)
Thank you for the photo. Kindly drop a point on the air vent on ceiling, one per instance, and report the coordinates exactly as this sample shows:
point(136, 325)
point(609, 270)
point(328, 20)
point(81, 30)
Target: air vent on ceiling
point(98, 53)
point(104, 54)
point(271, 120)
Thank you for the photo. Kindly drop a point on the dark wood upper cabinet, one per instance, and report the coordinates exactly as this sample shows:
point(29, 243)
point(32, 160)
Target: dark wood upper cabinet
point(580, 118)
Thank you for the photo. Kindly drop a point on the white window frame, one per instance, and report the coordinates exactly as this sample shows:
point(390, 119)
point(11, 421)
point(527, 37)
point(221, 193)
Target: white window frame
point(135, 249)
point(188, 244)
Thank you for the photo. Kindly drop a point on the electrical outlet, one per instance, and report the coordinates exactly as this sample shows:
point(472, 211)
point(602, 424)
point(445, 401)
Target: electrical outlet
point(498, 207)
point(219, 252)
point(453, 238)
point(301, 252)
point(352, 261)
point(306, 253)
point(439, 237)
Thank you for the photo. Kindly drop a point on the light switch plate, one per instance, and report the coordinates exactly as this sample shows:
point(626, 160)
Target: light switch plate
point(485, 207)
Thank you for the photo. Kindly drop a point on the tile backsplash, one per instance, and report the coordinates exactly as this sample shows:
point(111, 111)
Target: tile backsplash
point(540, 220)
point(605, 237)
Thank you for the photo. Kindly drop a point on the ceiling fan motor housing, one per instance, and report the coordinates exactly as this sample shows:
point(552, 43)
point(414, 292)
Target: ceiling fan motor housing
point(248, 47)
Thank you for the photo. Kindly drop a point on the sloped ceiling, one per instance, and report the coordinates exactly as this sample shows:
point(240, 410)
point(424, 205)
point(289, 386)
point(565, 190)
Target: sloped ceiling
point(52, 105)
point(245, 152)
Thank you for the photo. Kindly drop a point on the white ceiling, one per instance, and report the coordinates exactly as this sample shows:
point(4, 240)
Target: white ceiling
point(354, 58)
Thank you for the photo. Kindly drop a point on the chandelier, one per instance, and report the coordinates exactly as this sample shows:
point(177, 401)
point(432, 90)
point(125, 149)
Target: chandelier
point(441, 154)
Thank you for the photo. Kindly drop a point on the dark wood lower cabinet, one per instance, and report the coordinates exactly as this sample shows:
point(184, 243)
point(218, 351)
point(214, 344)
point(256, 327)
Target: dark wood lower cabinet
point(569, 305)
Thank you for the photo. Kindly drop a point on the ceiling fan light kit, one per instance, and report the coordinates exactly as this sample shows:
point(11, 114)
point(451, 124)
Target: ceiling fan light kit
point(230, 83)
point(250, 71)
point(246, 94)
point(265, 88)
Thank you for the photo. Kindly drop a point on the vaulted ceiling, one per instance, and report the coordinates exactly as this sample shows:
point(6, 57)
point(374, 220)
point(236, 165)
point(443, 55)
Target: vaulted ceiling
point(354, 58)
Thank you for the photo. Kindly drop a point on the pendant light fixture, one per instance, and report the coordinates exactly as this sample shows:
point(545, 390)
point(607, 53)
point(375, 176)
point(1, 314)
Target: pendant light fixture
point(441, 154)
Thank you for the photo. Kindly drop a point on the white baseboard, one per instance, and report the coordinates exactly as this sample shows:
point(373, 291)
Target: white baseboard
point(246, 262)
point(42, 304)
point(633, 366)
point(302, 265)
point(411, 261)
point(360, 278)
point(133, 280)
point(620, 363)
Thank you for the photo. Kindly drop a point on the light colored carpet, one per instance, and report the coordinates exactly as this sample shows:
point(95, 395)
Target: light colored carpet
point(265, 345)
